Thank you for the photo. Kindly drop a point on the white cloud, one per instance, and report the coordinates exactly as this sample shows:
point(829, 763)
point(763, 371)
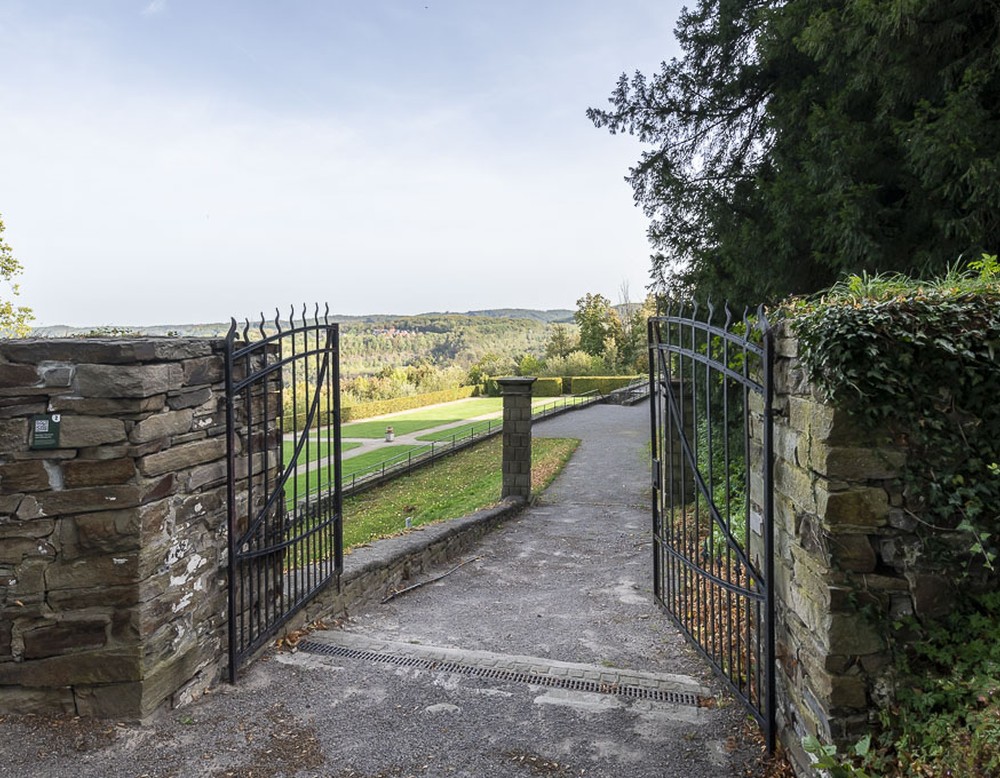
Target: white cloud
point(154, 7)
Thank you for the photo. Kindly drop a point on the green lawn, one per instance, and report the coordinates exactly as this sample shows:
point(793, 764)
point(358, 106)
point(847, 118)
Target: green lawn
point(453, 487)
point(408, 422)
point(311, 481)
point(365, 462)
point(424, 418)
point(463, 430)
point(316, 450)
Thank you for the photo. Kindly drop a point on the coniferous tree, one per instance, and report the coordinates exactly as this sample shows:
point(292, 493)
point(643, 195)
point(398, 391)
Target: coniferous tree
point(795, 141)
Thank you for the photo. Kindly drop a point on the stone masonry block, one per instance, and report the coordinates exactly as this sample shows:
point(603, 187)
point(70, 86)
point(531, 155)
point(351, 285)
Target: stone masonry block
point(79, 473)
point(162, 425)
point(128, 380)
point(92, 667)
point(856, 463)
point(183, 457)
point(90, 572)
point(853, 635)
point(82, 431)
point(204, 370)
point(30, 476)
point(858, 507)
point(108, 406)
point(854, 553)
point(72, 501)
point(14, 376)
point(64, 637)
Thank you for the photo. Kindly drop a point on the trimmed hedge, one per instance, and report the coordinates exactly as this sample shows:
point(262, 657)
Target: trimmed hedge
point(380, 407)
point(602, 384)
point(547, 387)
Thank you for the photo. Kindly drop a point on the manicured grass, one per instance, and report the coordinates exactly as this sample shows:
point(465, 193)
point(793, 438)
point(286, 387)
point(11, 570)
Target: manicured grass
point(454, 487)
point(425, 418)
point(407, 422)
point(362, 463)
point(316, 450)
point(463, 430)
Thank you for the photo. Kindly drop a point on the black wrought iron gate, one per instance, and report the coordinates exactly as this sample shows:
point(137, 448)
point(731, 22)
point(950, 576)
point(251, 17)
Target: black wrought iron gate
point(711, 388)
point(285, 511)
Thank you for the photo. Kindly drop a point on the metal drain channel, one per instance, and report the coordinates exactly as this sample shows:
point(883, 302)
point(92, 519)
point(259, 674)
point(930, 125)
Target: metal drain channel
point(629, 691)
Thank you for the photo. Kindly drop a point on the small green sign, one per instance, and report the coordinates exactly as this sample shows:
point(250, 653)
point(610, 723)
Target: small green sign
point(45, 430)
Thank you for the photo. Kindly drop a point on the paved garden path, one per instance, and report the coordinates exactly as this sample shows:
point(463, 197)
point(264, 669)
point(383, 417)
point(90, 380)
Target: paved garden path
point(505, 667)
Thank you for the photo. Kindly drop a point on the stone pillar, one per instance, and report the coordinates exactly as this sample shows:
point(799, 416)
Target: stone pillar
point(112, 527)
point(516, 393)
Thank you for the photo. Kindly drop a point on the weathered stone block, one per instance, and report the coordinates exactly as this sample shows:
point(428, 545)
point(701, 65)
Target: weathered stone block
point(824, 423)
point(80, 473)
point(90, 667)
point(853, 634)
point(108, 406)
point(189, 399)
point(159, 489)
point(124, 597)
point(13, 435)
point(108, 532)
point(183, 457)
point(64, 637)
point(20, 407)
point(797, 486)
point(91, 572)
point(19, 477)
point(15, 550)
point(857, 507)
point(23, 701)
point(71, 501)
point(856, 463)
point(80, 431)
point(853, 552)
point(127, 380)
point(74, 350)
point(176, 349)
point(933, 595)
point(162, 425)
point(204, 475)
point(36, 528)
point(121, 701)
point(12, 376)
point(204, 370)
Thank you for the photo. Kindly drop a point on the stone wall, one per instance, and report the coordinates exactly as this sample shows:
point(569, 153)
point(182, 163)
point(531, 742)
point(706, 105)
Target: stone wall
point(847, 562)
point(112, 543)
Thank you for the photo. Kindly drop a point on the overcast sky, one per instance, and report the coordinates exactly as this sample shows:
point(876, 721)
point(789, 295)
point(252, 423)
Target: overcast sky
point(181, 161)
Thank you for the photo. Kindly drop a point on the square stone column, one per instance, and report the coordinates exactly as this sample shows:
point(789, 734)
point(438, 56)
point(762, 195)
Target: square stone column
point(516, 391)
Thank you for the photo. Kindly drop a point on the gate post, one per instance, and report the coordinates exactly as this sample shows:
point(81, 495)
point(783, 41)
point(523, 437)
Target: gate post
point(516, 391)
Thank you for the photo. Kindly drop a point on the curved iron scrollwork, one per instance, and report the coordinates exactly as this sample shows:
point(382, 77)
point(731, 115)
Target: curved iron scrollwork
point(284, 472)
point(711, 375)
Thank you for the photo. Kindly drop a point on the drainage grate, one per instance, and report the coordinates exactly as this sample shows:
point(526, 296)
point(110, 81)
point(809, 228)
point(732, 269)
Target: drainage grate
point(629, 691)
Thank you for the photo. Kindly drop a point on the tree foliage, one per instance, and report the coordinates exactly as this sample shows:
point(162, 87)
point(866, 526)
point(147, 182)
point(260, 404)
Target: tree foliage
point(794, 142)
point(14, 320)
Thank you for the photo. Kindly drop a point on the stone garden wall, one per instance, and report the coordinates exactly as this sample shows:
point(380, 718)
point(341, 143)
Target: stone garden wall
point(847, 562)
point(112, 539)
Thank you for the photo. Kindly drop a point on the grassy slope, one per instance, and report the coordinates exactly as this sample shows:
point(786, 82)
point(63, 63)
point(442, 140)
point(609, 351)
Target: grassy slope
point(456, 486)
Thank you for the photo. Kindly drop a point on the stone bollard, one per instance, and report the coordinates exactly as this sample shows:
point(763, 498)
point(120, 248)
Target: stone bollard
point(516, 392)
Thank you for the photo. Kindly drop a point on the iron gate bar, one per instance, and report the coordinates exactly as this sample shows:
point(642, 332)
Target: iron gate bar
point(281, 553)
point(691, 363)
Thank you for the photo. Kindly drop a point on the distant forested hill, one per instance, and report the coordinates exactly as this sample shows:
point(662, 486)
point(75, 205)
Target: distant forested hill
point(370, 343)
